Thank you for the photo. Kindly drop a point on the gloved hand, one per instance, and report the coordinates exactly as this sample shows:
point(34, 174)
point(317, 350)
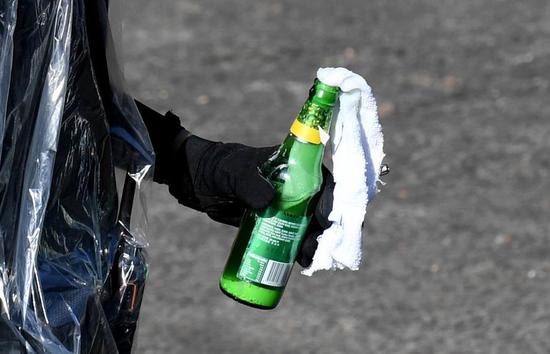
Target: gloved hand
point(216, 178)
point(226, 180)
point(223, 179)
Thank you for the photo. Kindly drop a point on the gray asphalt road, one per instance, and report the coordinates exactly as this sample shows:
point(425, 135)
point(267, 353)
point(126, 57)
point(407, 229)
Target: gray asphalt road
point(458, 241)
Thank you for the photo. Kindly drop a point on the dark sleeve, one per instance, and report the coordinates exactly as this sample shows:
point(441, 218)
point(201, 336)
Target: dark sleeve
point(163, 131)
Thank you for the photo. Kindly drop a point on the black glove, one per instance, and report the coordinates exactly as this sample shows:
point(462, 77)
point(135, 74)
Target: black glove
point(219, 179)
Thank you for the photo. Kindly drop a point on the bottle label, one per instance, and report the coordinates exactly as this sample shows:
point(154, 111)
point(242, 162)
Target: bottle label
point(272, 248)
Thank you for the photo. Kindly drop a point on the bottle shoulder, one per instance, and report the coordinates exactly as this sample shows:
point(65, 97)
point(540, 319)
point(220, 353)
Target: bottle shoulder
point(294, 179)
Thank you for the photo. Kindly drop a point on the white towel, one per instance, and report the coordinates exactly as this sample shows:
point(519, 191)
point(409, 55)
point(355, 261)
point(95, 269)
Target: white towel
point(357, 153)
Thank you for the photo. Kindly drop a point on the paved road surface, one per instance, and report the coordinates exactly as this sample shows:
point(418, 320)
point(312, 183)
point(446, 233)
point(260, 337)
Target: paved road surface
point(458, 241)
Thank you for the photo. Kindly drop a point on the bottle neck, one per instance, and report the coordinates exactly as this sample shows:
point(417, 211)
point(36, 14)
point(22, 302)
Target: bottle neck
point(316, 114)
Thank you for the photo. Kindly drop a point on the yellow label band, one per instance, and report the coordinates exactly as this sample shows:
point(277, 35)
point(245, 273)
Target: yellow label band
point(305, 133)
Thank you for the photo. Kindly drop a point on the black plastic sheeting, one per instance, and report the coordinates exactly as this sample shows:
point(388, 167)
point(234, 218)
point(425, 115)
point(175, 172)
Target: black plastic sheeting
point(71, 258)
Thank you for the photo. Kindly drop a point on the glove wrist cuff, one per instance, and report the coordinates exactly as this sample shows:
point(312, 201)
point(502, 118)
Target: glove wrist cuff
point(180, 139)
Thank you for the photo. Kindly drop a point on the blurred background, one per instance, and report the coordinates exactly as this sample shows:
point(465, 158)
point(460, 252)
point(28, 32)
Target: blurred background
point(457, 243)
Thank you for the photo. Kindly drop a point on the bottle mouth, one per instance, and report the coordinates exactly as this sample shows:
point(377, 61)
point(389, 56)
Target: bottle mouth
point(324, 94)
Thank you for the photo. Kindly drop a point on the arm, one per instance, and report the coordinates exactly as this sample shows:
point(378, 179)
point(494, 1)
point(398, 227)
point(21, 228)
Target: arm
point(220, 179)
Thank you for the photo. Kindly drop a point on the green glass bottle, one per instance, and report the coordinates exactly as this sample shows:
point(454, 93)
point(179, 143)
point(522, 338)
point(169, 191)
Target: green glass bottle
point(268, 240)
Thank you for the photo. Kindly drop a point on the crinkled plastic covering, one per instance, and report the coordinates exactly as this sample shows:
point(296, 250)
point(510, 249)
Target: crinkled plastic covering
point(75, 159)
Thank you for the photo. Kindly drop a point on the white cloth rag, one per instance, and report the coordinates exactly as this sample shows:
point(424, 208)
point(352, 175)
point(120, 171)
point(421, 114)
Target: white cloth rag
point(357, 153)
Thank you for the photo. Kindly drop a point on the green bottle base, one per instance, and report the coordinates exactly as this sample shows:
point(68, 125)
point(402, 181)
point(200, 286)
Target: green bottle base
point(247, 303)
point(250, 294)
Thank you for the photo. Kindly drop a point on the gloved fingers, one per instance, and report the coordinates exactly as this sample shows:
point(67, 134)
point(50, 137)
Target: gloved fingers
point(309, 244)
point(324, 200)
point(226, 211)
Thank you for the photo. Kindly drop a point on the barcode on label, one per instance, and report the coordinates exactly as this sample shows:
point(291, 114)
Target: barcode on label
point(276, 273)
